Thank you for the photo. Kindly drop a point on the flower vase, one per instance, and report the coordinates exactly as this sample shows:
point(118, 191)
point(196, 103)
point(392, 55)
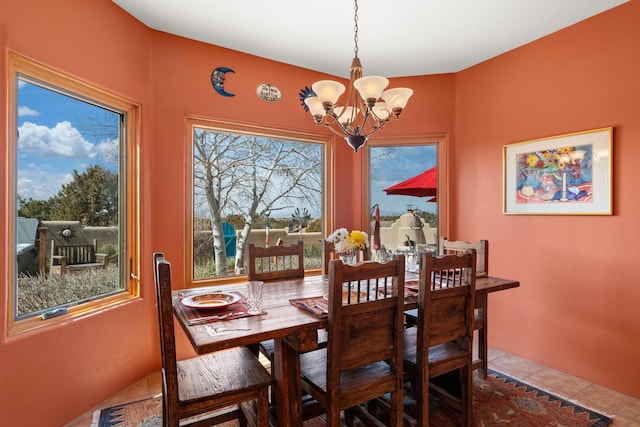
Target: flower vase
point(347, 257)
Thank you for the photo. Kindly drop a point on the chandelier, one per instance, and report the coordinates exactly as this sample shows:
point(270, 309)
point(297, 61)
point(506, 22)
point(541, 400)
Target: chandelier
point(368, 107)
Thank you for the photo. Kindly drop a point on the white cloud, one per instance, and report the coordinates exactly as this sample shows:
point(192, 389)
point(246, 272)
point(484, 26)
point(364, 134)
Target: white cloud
point(39, 184)
point(110, 151)
point(27, 112)
point(63, 140)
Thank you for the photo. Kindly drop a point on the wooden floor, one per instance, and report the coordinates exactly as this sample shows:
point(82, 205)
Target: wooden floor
point(623, 409)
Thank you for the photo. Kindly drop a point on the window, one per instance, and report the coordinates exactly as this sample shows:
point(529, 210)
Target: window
point(252, 186)
point(74, 196)
point(409, 220)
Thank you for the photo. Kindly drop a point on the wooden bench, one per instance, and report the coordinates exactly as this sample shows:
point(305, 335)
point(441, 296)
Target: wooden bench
point(76, 257)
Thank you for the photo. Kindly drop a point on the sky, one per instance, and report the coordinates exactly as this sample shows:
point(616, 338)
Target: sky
point(397, 164)
point(58, 134)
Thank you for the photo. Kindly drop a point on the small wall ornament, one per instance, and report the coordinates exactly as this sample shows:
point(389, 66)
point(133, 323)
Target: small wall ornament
point(217, 80)
point(304, 93)
point(66, 233)
point(268, 92)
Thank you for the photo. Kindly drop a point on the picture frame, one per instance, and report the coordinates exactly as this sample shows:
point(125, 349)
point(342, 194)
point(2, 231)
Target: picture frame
point(566, 174)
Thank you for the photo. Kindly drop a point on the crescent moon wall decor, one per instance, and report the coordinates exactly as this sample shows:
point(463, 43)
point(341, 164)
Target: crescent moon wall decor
point(217, 80)
point(304, 94)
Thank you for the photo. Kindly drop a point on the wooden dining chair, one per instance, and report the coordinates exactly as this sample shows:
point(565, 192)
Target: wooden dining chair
point(276, 262)
point(482, 270)
point(446, 246)
point(363, 357)
point(215, 388)
point(442, 341)
point(329, 253)
point(271, 264)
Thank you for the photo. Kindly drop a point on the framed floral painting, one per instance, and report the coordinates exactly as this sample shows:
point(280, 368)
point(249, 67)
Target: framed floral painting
point(559, 175)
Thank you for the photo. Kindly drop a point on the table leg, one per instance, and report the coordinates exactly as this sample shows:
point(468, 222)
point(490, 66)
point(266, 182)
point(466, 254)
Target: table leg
point(286, 372)
point(483, 349)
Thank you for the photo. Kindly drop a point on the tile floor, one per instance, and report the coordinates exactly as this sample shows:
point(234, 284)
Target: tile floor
point(624, 410)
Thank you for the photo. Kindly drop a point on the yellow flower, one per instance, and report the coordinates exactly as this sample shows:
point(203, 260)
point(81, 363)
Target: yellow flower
point(532, 160)
point(358, 239)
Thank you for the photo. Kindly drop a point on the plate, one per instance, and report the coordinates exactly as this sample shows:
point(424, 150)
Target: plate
point(345, 296)
point(413, 285)
point(210, 300)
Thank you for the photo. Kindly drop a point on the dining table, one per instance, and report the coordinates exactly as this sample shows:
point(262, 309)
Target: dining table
point(293, 329)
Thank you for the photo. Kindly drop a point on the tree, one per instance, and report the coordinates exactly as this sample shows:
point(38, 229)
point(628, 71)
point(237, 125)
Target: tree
point(40, 209)
point(251, 175)
point(91, 198)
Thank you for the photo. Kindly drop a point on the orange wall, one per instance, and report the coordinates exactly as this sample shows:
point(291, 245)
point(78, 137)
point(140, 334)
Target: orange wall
point(67, 369)
point(576, 308)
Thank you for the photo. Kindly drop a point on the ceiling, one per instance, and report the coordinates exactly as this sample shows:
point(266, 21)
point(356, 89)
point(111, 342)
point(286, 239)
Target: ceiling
point(395, 38)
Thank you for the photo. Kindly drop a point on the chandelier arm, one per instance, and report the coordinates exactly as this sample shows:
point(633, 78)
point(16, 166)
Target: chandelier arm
point(376, 122)
point(342, 130)
point(359, 129)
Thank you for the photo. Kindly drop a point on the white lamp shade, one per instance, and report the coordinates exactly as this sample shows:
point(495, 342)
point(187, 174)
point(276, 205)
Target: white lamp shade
point(328, 90)
point(349, 116)
point(315, 106)
point(371, 87)
point(381, 110)
point(397, 97)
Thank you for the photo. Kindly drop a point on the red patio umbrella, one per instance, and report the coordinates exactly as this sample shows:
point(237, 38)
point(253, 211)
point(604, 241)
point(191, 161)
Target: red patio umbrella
point(421, 185)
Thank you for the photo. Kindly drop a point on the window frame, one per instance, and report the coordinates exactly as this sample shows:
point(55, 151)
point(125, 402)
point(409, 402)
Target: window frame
point(20, 66)
point(205, 123)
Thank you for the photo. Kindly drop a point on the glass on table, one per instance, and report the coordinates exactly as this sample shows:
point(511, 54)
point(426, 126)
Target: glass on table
point(412, 261)
point(254, 296)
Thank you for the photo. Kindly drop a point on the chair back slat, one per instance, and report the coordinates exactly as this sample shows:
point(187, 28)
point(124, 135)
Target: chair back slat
point(449, 304)
point(276, 262)
point(361, 330)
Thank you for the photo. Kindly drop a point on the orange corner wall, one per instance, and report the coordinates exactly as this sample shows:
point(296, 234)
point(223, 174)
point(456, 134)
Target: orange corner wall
point(574, 309)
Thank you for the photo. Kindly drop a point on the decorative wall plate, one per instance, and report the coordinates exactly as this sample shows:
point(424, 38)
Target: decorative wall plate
point(268, 92)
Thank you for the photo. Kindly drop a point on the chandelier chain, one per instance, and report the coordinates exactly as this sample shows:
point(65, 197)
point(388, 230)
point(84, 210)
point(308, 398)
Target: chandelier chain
point(355, 28)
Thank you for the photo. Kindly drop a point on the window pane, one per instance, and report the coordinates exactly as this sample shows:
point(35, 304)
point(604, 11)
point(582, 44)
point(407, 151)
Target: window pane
point(407, 222)
point(249, 188)
point(67, 199)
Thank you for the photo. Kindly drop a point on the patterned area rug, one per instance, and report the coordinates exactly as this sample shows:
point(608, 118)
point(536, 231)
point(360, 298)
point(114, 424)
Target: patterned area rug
point(499, 400)
point(502, 400)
